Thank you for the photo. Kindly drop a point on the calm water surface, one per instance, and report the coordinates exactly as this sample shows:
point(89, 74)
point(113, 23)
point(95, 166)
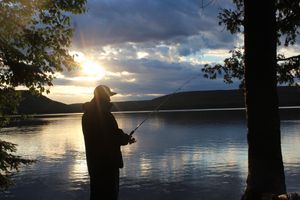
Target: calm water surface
point(184, 155)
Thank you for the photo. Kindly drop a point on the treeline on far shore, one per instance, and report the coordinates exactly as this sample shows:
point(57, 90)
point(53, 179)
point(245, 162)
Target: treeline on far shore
point(288, 96)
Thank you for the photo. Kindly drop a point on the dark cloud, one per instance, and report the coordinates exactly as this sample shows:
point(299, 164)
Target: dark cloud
point(115, 21)
point(152, 40)
point(152, 77)
point(157, 77)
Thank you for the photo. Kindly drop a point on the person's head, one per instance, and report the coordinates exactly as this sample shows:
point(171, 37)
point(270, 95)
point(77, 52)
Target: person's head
point(102, 95)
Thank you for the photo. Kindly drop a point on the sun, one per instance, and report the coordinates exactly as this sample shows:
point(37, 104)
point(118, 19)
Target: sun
point(92, 70)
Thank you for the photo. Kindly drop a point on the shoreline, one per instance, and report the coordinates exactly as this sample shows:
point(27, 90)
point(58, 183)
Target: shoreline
point(282, 109)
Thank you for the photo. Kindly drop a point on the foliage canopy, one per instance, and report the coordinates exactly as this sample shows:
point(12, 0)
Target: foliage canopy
point(34, 39)
point(288, 23)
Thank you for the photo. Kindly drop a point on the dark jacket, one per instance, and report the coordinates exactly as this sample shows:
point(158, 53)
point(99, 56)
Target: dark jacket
point(102, 137)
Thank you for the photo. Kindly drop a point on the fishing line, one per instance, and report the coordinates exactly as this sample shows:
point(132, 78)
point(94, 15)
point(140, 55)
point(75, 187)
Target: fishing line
point(156, 109)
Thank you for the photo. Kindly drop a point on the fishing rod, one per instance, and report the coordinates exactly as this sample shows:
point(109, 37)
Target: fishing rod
point(163, 102)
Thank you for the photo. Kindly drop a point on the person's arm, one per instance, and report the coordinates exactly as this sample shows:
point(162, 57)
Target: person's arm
point(118, 134)
point(124, 138)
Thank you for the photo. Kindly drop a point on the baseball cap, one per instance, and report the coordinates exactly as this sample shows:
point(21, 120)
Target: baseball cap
point(103, 90)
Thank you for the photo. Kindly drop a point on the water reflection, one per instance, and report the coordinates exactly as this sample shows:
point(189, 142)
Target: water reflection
point(291, 152)
point(177, 156)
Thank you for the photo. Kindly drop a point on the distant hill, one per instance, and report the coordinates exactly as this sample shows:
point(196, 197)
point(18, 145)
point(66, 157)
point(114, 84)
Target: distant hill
point(32, 104)
point(288, 96)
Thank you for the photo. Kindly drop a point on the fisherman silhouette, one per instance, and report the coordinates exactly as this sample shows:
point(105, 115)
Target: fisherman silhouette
point(103, 139)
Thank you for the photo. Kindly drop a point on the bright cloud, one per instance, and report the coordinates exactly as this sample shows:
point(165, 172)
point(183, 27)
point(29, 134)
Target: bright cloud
point(71, 94)
point(145, 49)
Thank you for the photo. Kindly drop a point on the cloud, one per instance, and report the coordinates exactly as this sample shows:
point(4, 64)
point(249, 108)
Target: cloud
point(115, 21)
point(290, 51)
point(71, 93)
point(137, 79)
point(157, 77)
point(147, 48)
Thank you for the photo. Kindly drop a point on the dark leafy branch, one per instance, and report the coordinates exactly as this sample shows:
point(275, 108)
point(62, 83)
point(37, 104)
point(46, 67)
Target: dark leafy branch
point(288, 23)
point(9, 163)
point(287, 17)
point(34, 39)
point(288, 69)
point(281, 58)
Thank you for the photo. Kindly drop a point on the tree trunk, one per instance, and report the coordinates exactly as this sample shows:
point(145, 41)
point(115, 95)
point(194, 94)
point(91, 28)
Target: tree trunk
point(265, 166)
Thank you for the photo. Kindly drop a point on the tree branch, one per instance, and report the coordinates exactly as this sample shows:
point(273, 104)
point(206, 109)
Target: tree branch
point(289, 58)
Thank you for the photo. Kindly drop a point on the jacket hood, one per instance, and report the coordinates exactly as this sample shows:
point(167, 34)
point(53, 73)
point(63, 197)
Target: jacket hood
point(93, 105)
point(88, 106)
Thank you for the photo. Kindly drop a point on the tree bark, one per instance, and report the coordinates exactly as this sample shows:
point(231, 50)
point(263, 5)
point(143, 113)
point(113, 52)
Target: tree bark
point(265, 166)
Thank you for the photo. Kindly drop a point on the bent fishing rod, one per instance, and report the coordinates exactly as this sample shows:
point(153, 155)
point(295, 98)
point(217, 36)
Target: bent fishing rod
point(156, 109)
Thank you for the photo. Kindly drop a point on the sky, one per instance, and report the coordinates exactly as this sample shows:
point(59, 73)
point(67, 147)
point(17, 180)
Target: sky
point(143, 49)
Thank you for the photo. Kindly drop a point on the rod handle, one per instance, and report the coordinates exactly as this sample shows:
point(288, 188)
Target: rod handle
point(131, 133)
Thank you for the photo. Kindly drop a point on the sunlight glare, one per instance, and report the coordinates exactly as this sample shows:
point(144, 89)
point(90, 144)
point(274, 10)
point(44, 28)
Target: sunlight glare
point(93, 70)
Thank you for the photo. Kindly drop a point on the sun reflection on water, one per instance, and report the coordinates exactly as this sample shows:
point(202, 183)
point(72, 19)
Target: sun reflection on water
point(172, 156)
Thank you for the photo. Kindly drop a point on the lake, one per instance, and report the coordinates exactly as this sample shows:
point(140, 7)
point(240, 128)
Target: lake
point(178, 155)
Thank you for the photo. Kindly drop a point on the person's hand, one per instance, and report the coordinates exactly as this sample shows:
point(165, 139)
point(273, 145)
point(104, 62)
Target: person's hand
point(126, 139)
point(131, 139)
